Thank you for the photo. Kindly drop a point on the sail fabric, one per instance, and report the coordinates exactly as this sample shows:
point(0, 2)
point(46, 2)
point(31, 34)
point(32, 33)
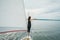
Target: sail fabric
point(12, 13)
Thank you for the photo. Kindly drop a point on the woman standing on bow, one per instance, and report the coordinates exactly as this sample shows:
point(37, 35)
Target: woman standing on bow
point(29, 25)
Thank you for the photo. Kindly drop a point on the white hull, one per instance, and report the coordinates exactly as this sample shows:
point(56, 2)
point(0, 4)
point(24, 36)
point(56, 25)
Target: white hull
point(27, 38)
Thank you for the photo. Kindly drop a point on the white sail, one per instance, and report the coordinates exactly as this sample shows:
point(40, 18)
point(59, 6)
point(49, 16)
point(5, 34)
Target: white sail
point(12, 13)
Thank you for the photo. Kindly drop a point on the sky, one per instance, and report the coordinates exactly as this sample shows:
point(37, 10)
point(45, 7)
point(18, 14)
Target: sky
point(12, 12)
point(43, 8)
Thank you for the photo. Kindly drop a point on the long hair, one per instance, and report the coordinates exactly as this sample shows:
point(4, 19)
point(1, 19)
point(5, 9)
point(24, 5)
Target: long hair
point(29, 18)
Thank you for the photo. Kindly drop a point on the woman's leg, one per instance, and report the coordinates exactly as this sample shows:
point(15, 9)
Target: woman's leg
point(28, 31)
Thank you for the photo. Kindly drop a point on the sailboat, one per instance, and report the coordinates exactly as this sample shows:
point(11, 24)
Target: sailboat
point(12, 14)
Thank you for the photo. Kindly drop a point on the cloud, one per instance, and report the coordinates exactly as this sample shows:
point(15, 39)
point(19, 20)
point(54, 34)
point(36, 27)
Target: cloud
point(44, 8)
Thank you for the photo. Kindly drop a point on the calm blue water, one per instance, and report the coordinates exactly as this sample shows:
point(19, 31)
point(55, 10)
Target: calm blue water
point(41, 30)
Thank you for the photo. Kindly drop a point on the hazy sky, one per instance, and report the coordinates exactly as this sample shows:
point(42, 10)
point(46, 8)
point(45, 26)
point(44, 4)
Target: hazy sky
point(43, 8)
point(12, 11)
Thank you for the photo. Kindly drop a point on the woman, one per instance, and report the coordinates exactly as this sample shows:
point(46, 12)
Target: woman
point(29, 25)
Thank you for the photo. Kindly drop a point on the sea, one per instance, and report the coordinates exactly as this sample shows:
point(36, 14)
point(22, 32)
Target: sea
point(40, 30)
